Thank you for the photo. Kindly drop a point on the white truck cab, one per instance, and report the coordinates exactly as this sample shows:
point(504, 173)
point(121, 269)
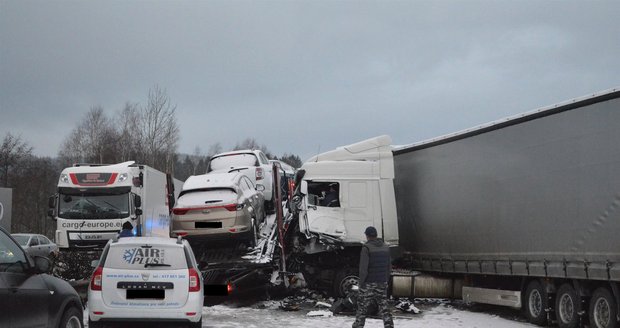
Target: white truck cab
point(93, 202)
point(361, 175)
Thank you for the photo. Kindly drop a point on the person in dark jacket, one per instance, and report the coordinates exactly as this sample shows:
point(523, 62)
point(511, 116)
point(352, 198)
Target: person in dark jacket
point(127, 230)
point(331, 197)
point(375, 269)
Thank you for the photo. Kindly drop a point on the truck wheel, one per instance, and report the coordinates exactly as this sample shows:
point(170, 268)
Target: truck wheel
point(344, 280)
point(72, 318)
point(567, 307)
point(536, 302)
point(603, 309)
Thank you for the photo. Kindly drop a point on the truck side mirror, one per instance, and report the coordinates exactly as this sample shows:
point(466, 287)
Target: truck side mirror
point(51, 202)
point(137, 201)
point(138, 211)
point(304, 187)
point(51, 213)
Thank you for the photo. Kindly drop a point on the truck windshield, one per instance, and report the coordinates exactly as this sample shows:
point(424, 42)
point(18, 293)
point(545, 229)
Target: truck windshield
point(89, 206)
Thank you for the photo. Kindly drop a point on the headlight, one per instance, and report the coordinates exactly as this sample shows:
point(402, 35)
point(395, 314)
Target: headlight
point(64, 178)
point(122, 177)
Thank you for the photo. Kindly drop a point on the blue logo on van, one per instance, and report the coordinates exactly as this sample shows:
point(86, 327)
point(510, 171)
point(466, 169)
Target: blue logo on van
point(144, 256)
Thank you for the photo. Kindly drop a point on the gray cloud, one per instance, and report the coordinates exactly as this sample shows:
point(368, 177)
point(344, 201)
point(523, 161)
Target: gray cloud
point(299, 75)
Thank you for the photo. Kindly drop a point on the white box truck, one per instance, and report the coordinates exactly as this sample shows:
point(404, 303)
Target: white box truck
point(93, 201)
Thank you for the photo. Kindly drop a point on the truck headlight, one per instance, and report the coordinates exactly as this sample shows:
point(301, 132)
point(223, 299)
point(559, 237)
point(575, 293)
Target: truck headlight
point(122, 177)
point(64, 178)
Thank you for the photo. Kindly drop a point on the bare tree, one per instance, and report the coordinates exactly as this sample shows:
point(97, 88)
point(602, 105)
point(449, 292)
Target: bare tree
point(159, 130)
point(93, 140)
point(34, 179)
point(13, 150)
point(214, 149)
point(129, 143)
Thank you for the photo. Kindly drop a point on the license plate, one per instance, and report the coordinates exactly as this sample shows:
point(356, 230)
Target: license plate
point(144, 285)
point(91, 236)
point(208, 224)
point(133, 294)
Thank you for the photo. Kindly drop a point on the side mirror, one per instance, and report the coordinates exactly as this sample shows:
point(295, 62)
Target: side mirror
point(138, 211)
point(137, 201)
point(304, 187)
point(94, 263)
point(51, 202)
point(260, 187)
point(51, 213)
point(42, 264)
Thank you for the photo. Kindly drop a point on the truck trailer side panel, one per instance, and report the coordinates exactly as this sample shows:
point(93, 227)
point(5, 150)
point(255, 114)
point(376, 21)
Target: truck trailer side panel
point(537, 195)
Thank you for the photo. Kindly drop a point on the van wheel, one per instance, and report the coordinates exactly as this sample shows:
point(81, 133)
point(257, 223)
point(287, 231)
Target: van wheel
point(72, 318)
point(344, 280)
point(536, 303)
point(603, 309)
point(567, 307)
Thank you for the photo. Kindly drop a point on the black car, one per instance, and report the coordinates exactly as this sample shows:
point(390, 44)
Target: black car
point(31, 298)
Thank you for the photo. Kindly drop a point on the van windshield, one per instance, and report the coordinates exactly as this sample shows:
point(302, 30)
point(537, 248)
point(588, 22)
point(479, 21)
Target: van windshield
point(91, 206)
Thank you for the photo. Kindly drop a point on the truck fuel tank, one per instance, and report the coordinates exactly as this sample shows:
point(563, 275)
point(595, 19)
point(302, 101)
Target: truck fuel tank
point(414, 284)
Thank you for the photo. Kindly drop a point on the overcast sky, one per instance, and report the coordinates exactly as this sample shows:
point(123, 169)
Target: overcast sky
point(300, 76)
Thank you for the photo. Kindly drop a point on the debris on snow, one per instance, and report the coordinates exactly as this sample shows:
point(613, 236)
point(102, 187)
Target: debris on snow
point(322, 313)
point(406, 306)
point(322, 304)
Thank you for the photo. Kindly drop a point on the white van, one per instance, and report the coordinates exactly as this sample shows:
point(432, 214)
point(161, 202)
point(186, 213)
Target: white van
point(146, 279)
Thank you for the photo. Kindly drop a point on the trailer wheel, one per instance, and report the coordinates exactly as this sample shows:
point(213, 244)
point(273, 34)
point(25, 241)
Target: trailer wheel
point(567, 307)
point(603, 309)
point(344, 280)
point(536, 303)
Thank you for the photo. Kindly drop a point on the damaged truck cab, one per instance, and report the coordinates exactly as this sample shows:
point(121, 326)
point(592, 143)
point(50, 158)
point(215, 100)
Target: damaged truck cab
point(340, 193)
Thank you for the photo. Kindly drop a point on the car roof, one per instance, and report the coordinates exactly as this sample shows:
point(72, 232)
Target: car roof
point(215, 179)
point(235, 152)
point(26, 234)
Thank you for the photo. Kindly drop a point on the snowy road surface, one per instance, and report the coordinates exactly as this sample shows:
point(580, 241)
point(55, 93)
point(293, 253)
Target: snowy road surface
point(433, 315)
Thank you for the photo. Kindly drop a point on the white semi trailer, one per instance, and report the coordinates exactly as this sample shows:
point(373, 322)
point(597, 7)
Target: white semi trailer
point(93, 201)
point(521, 212)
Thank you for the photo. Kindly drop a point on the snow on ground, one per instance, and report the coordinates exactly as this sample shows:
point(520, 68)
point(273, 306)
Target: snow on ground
point(439, 314)
point(434, 314)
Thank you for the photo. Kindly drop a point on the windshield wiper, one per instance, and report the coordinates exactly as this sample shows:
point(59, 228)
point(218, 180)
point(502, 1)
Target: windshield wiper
point(156, 265)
